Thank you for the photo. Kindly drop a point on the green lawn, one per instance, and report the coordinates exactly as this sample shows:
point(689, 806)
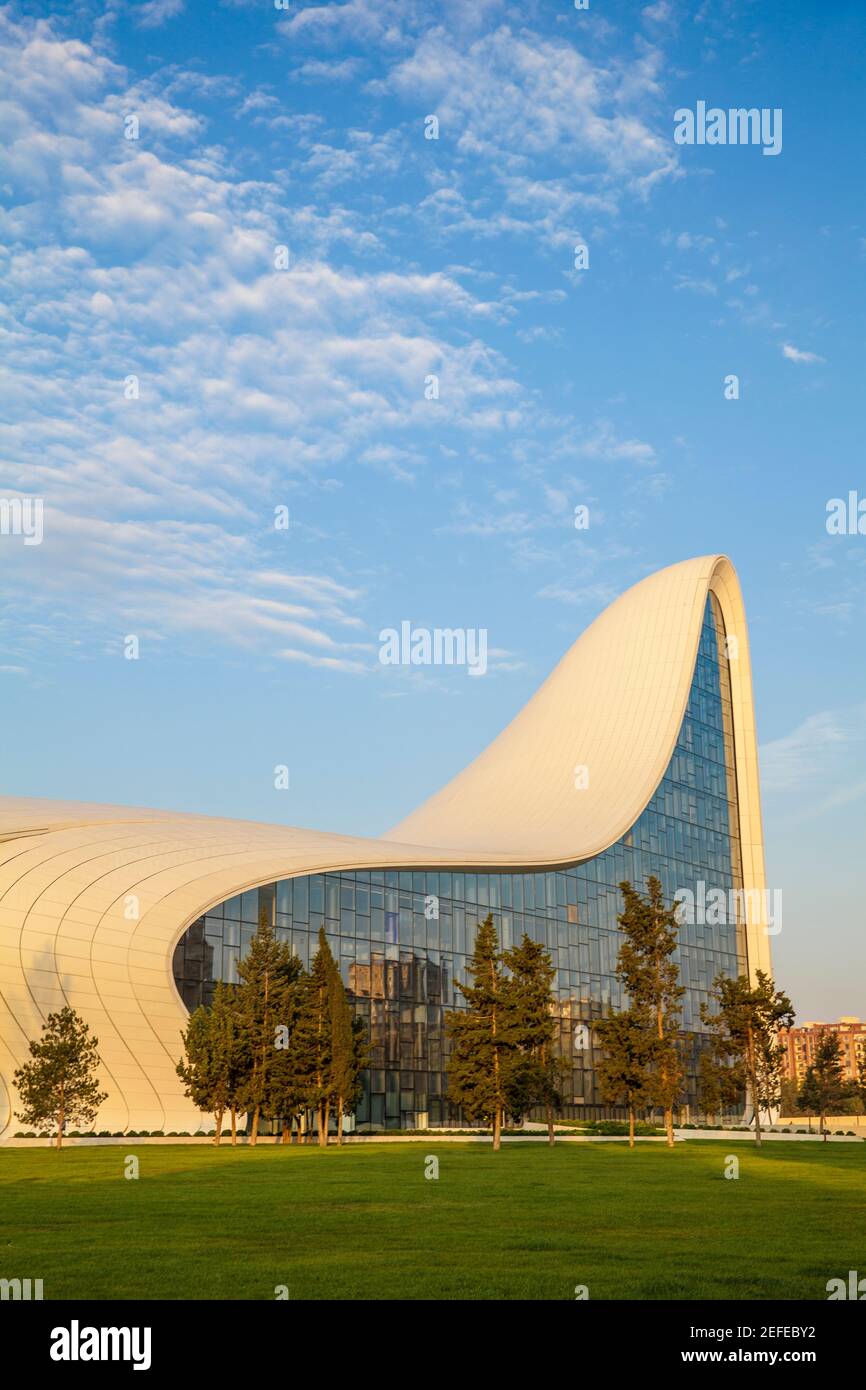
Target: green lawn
point(362, 1222)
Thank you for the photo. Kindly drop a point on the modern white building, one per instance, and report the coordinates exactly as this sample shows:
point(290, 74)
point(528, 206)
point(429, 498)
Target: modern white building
point(636, 756)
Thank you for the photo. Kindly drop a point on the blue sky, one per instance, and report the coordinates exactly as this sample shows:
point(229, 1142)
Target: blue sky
point(409, 257)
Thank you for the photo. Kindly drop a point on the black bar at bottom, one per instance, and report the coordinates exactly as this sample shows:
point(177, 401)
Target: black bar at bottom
point(56, 1340)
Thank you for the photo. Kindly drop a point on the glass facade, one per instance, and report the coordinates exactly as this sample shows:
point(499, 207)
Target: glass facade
point(402, 937)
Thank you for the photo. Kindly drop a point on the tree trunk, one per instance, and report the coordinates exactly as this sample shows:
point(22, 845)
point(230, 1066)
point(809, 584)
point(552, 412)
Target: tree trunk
point(322, 1116)
point(497, 1114)
point(234, 1125)
point(551, 1137)
point(753, 1082)
point(669, 1114)
point(219, 1125)
point(254, 1134)
point(61, 1120)
point(631, 1126)
point(263, 1080)
point(340, 1120)
point(287, 1132)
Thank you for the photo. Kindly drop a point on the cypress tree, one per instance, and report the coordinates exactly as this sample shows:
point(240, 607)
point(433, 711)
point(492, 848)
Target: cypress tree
point(314, 1037)
point(349, 1053)
point(480, 1036)
point(534, 1072)
point(232, 1057)
point(233, 1047)
point(286, 1094)
point(60, 1084)
point(650, 977)
point(267, 975)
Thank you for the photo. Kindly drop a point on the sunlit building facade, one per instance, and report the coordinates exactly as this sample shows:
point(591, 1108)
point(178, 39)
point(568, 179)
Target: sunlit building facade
point(636, 757)
point(801, 1044)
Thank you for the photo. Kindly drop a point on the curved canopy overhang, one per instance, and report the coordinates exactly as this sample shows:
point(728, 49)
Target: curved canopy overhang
point(93, 899)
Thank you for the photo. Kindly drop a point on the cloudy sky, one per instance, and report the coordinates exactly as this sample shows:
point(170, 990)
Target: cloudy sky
point(233, 262)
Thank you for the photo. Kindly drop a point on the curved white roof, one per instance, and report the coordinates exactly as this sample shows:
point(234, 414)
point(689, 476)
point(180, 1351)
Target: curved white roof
point(94, 898)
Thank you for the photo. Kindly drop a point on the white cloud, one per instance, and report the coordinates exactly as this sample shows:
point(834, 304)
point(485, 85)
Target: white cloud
point(250, 380)
point(658, 13)
point(154, 13)
point(604, 443)
point(366, 21)
point(598, 595)
point(520, 96)
point(816, 751)
point(102, 304)
point(331, 663)
point(795, 355)
point(315, 70)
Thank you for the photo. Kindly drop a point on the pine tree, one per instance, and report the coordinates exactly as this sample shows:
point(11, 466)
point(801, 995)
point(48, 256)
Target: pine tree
point(196, 1068)
point(481, 1041)
point(624, 1074)
point(650, 976)
point(267, 974)
point(215, 1065)
point(534, 1074)
point(60, 1084)
point(746, 1036)
point(824, 1083)
point(232, 1047)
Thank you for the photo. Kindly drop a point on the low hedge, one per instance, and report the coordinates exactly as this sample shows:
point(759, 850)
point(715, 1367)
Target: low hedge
point(618, 1127)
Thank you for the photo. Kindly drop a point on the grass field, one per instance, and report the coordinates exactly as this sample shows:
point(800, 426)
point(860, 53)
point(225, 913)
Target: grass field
point(364, 1223)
